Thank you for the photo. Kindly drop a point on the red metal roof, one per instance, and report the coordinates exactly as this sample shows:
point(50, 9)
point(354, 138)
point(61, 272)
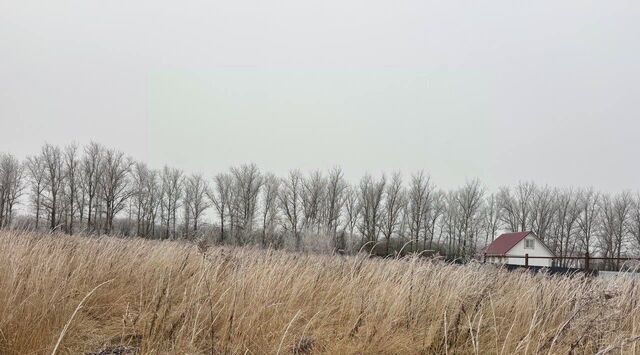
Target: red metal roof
point(505, 242)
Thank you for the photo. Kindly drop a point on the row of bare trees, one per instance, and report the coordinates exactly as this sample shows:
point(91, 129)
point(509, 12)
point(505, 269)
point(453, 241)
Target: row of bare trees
point(94, 189)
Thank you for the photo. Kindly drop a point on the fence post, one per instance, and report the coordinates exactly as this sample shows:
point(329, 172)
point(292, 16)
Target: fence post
point(586, 261)
point(526, 259)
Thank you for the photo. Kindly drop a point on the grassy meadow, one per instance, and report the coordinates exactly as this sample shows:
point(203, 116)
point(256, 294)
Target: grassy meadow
point(86, 295)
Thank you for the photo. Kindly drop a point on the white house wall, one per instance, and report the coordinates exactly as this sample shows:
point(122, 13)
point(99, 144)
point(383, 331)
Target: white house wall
point(538, 250)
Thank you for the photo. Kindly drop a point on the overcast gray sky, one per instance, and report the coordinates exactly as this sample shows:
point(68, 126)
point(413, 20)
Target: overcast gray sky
point(499, 90)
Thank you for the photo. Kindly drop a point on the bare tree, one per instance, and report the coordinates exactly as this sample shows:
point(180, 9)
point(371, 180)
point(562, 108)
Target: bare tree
point(566, 213)
point(469, 200)
point(90, 165)
point(434, 212)
point(269, 216)
point(543, 204)
point(335, 200)
point(153, 202)
point(312, 198)
point(516, 208)
point(623, 203)
point(71, 163)
point(353, 209)
point(634, 221)
point(147, 196)
point(394, 202)
point(508, 209)
point(419, 197)
point(54, 167)
point(246, 188)
point(139, 174)
point(36, 174)
point(172, 188)
point(451, 223)
point(195, 201)
point(607, 237)
point(220, 197)
point(17, 189)
point(492, 221)
point(402, 231)
point(588, 219)
point(11, 187)
point(371, 196)
point(291, 205)
point(524, 194)
point(114, 184)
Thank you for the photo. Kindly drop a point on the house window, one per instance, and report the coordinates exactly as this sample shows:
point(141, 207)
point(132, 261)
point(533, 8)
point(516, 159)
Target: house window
point(528, 244)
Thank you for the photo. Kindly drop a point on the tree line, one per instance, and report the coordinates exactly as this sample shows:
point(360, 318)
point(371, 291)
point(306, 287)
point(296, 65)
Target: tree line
point(97, 190)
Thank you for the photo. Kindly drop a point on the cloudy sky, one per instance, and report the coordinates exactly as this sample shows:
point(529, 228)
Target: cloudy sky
point(499, 90)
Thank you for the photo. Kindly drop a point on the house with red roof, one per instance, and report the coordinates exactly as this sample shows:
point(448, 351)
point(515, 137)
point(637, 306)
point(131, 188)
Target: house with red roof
point(519, 244)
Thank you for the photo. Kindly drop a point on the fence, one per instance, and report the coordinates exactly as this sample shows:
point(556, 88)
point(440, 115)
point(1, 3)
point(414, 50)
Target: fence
point(586, 262)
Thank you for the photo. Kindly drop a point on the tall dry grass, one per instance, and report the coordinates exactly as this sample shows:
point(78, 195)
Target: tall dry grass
point(107, 296)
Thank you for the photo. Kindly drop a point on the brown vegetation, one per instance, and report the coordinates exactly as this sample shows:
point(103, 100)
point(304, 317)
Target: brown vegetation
point(72, 294)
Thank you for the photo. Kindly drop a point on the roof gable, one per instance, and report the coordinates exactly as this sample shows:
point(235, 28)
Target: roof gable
point(505, 242)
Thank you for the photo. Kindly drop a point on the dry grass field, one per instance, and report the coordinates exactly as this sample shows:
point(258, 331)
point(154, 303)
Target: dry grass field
point(80, 295)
